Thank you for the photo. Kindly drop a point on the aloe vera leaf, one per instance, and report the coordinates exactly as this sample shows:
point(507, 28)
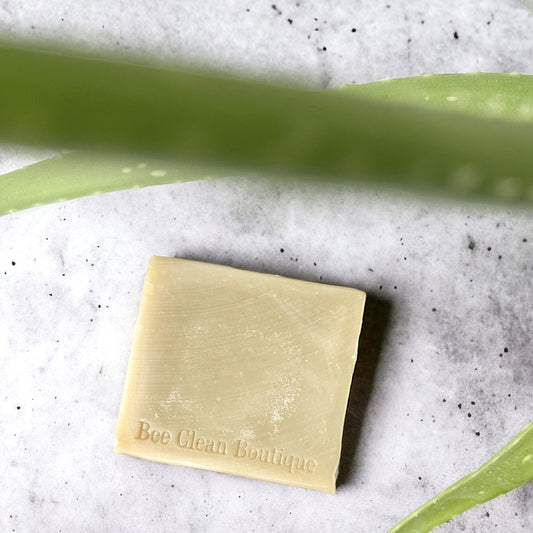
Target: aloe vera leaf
point(527, 3)
point(74, 174)
point(246, 126)
point(78, 174)
point(502, 96)
point(509, 468)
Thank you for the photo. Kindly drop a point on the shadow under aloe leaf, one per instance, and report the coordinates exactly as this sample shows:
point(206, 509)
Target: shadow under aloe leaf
point(375, 322)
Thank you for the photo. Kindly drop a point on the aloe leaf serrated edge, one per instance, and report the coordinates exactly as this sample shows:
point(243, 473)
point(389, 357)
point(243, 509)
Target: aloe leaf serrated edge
point(507, 470)
point(74, 174)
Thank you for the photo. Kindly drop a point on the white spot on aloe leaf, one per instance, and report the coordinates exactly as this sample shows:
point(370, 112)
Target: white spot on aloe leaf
point(508, 188)
point(466, 178)
point(495, 104)
point(526, 111)
point(126, 170)
point(452, 98)
point(141, 165)
point(158, 173)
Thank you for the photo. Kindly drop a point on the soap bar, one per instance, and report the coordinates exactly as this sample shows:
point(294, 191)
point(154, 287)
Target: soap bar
point(240, 372)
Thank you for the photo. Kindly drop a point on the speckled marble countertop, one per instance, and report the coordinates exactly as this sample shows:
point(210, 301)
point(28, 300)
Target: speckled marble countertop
point(445, 372)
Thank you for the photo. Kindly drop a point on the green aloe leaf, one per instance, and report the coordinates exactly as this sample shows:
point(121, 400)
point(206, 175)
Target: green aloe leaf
point(49, 98)
point(508, 469)
point(74, 174)
point(527, 3)
point(502, 96)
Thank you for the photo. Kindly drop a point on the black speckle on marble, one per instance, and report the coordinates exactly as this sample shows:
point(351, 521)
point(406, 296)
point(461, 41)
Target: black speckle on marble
point(455, 35)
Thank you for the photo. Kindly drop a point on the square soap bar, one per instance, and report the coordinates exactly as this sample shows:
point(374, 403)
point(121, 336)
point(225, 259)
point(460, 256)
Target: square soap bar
point(240, 372)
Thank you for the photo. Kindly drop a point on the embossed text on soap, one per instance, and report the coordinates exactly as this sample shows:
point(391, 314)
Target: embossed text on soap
point(239, 449)
point(185, 438)
point(274, 456)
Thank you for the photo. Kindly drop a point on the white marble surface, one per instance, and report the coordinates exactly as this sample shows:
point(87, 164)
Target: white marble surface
point(448, 322)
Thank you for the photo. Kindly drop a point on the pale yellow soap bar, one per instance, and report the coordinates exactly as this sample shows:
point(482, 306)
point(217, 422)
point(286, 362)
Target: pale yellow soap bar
point(240, 372)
